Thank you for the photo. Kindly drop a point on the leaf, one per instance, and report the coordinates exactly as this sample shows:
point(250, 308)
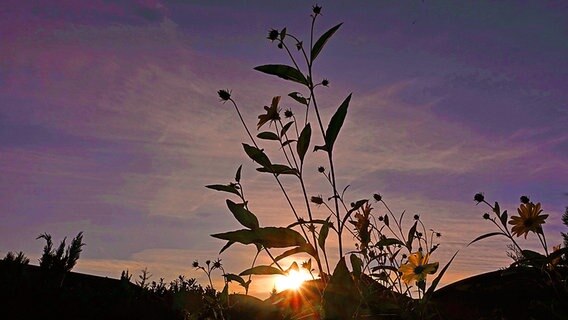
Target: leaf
point(504, 218)
point(340, 297)
point(293, 266)
point(334, 126)
point(324, 231)
point(287, 142)
point(356, 264)
point(384, 267)
point(267, 135)
point(285, 128)
point(236, 278)
point(318, 46)
point(438, 278)
point(269, 237)
point(238, 174)
point(298, 97)
point(245, 217)
point(304, 142)
point(389, 242)
point(279, 169)
point(356, 207)
point(225, 188)
point(262, 270)
point(496, 208)
point(411, 233)
point(307, 248)
point(226, 246)
point(283, 71)
point(224, 296)
point(257, 155)
point(316, 221)
point(487, 235)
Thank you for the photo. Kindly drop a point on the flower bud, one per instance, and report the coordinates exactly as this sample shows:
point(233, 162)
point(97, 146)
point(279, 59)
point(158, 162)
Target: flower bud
point(479, 197)
point(224, 94)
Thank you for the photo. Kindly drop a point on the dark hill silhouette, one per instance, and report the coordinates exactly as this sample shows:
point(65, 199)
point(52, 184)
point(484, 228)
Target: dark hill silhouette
point(27, 292)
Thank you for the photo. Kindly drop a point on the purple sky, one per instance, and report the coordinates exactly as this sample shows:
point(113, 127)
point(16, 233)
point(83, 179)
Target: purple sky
point(110, 122)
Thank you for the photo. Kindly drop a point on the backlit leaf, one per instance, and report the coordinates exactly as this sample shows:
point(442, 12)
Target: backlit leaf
point(262, 270)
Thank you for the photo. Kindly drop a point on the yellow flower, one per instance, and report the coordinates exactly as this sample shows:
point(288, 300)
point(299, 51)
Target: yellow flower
point(529, 219)
point(417, 267)
point(272, 113)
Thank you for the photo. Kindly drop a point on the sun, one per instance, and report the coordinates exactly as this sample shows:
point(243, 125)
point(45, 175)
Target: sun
point(292, 281)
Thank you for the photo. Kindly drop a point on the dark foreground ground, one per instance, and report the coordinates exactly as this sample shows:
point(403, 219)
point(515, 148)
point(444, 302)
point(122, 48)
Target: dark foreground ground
point(28, 293)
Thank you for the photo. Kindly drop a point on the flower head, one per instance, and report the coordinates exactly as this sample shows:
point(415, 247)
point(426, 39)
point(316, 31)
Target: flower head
point(317, 200)
point(195, 264)
point(529, 219)
point(479, 197)
point(362, 224)
point(225, 95)
point(525, 199)
point(377, 197)
point(272, 113)
point(321, 169)
point(273, 35)
point(316, 9)
point(325, 82)
point(417, 268)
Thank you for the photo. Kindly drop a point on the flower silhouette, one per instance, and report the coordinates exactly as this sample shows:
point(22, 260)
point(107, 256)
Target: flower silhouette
point(529, 219)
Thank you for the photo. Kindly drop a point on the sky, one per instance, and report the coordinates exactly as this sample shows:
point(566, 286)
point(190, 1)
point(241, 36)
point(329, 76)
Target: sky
point(110, 123)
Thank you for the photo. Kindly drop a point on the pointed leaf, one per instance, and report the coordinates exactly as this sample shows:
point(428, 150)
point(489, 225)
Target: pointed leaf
point(320, 43)
point(304, 141)
point(257, 155)
point(487, 235)
point(262, 270)
point(226, 246)
point(411, 234)
point(324, 231)
point(284, 72)
point(279, 169)
point(307, 248)
point(504, 218)
point(236, 278)
point(340, 297)
point(245, 217)
point(438, 278)
point(225, 188)
point(356, 264)
point(269, 237)
point(238, 174)
point(298, 97)
point(285, 128)
point(267, 135)
point(389, 242)
point(335, 124)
